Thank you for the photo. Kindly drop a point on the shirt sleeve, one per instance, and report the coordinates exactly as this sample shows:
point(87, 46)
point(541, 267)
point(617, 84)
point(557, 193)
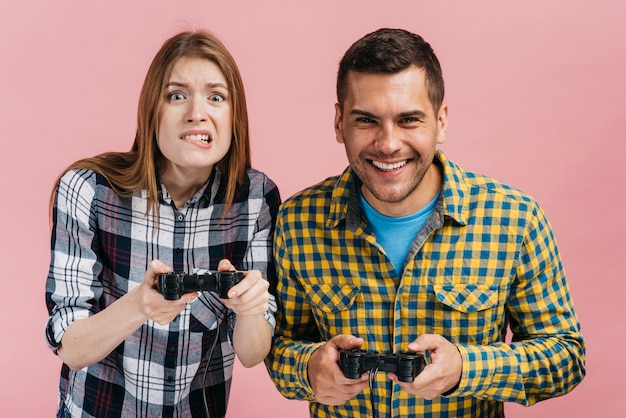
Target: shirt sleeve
point(546, 356)
point(259, 252)
point(71, 287)
point(289, 357)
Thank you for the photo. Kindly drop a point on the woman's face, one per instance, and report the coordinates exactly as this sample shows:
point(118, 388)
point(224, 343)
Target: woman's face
point(195, 120)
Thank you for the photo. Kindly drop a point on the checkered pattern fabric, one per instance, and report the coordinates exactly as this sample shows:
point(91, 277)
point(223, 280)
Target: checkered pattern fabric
point(486, 259)
point(101, 247)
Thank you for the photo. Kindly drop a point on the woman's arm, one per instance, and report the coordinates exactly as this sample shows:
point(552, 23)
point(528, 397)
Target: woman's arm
point(91, 339)
point(250, 301)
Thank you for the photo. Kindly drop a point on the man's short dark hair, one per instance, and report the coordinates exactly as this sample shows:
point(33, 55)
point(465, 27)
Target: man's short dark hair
point(391, 51)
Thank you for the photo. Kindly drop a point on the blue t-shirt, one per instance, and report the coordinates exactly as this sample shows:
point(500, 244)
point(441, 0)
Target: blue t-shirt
point(396, 235)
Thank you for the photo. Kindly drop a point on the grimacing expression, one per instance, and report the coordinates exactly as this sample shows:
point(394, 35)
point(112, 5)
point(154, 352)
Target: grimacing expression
point(390, 132)
point(195, 119)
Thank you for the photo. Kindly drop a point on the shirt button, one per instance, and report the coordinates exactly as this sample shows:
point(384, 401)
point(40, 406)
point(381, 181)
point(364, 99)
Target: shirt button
point(171, 349)
point(180, 217)
point(170, 379)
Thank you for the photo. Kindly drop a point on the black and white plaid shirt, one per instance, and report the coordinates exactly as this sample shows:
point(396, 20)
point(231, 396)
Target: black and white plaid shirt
point(101, 247)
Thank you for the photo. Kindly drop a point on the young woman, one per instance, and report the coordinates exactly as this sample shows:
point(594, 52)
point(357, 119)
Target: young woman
point(183, 198)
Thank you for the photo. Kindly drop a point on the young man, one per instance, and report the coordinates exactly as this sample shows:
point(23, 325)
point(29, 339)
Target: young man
point(407, 251)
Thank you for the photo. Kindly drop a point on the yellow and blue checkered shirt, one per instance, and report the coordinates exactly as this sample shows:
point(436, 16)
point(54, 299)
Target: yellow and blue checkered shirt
point(486, 260)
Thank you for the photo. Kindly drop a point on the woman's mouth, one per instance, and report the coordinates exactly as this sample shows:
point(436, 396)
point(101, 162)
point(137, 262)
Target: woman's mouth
point(198, 137)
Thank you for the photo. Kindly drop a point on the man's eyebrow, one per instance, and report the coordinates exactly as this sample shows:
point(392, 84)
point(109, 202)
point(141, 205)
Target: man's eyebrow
point(363, 113)
point(417, 113)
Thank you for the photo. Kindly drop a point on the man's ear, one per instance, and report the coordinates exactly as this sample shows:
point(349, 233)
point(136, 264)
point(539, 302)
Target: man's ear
point(442, 123)
point(338, 132)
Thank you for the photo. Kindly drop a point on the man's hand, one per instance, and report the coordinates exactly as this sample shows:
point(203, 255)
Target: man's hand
point(441, 375)
point(330, 386)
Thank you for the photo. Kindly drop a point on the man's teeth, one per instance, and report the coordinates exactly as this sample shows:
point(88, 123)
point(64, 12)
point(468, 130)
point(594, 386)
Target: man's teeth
point(389, 167)
point(203, 138)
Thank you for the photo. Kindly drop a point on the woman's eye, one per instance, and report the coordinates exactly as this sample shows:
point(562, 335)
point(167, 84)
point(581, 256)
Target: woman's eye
point(216, 98)
point(175, 96)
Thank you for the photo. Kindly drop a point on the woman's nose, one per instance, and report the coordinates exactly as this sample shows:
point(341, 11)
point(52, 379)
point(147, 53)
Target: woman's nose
point(197, 110)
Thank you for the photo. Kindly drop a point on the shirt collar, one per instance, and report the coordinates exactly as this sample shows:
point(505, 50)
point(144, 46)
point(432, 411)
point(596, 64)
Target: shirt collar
point(207, 193)
point(452, 201)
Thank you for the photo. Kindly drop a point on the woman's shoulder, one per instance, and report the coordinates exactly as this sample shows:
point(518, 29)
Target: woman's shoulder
point(257, 178)
point(80, 177)
point(83, 176)
point(82, 181)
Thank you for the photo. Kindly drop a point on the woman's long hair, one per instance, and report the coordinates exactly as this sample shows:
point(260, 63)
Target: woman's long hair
point(137, 169)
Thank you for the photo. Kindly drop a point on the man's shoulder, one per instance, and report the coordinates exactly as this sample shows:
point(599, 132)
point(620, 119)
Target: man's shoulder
point(316, 196)
point(477, 185)
point(496, 187)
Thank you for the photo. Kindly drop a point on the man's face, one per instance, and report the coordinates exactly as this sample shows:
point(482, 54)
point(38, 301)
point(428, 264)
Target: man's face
point(391, 132)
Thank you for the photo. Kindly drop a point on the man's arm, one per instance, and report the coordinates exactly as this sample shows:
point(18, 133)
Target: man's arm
point(296, 336)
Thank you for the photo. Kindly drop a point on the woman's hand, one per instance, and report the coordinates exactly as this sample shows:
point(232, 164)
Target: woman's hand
point(250, 296)
point(152, 303)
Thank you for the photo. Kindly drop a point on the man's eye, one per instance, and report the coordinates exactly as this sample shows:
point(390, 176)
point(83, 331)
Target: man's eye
point(413, 120)
point(175, 96)
point(364, 119)
point(216, 98)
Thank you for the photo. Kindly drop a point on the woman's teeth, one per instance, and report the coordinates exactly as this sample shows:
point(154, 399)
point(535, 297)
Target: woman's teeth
point(203, 138)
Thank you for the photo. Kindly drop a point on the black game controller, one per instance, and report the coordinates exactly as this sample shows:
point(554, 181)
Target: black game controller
point(174, 285)
point(406, 365)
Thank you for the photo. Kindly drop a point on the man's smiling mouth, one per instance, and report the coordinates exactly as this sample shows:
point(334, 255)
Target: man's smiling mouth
point(389, 167)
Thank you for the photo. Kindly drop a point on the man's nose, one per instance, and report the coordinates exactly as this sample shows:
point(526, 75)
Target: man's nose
point(388, 139)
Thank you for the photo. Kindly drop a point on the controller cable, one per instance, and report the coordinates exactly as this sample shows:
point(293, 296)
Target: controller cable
point(372, 380)
point(219, 313)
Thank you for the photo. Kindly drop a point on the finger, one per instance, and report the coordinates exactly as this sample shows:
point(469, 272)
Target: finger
point(346, 341)
point(252, 301)
point(241, 289)
point(155, 268)
point(359, 383)
point(189, 297)
point(250, 287)
point(225, 265)
point(354, 387)
point(426, 342)
point(341, 393)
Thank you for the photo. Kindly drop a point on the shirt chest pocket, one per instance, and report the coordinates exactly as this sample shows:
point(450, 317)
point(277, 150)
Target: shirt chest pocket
point(331, 306)
point(467, 313)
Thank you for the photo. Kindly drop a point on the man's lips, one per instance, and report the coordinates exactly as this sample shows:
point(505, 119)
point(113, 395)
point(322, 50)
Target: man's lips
point(389, 166)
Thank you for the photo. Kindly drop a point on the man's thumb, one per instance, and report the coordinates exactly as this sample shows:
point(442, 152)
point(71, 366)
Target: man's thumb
point(347, 341)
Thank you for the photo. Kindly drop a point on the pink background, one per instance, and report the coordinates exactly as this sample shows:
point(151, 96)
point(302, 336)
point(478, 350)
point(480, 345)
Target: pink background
point(537, 99)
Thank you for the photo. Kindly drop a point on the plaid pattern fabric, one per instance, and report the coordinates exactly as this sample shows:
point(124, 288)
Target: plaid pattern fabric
point(486, 259)
point(101, 247)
